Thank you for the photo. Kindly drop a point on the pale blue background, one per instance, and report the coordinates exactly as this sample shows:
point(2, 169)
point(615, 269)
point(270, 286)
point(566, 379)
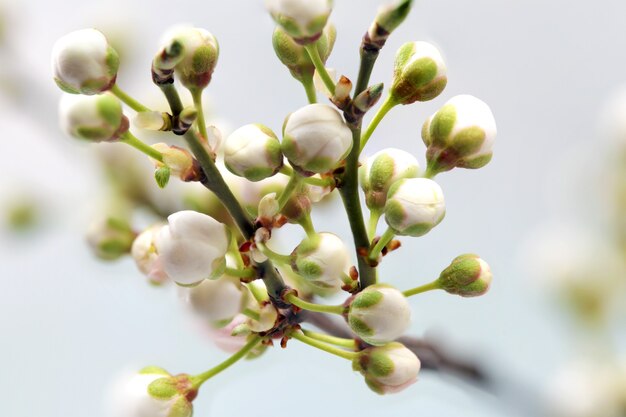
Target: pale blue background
point(68, 323)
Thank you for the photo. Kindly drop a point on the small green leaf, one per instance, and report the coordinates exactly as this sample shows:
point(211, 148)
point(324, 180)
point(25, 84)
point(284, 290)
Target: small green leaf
point(162, 176)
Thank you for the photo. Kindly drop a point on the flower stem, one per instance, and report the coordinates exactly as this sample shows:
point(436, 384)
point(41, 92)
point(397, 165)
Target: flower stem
point(423, 288)
point(170, 93)
point(319, 182)
point(197, 101)
point(128, 100)
point(337, 341)
point(384, 240)
point(314, 54)
point(389, 104)
point(307, 225)
point(129, 139)
point(274, 256)
point(200, 379)
point(323, 346)
point(309, 88)
point(257, 292)
point(240, 272)
point(294, 180)
point(320, 308)
point(373, 223)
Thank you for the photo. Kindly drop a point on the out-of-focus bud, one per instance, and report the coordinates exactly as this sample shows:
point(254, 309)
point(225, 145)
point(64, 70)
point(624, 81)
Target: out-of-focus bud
point(419, 73)
point(215, 300)
point(323, 260)
point(316, 139)
point(192, 247)
point(225, 340)
point(93, 118)
point(379, 314)
point(146, 258)
point(387, 369)
point(83, 62)
point(178, 160)
point(195, 53)
point(467, 276)
point(296, 58)
point(110, 238)
point(381, 170)
point(461, 134)
point(303, 20)
point(389, 17)
point(253, 152)
point(154, 392)
point(251, 193)
point(153, 120)
point(414, 206)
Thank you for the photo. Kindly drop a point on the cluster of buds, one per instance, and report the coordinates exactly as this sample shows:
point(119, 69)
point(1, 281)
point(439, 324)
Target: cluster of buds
point(220, 255)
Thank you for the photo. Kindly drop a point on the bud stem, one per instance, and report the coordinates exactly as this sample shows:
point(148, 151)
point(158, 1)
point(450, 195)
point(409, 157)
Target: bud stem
point(198, 380)
point(241, 272)
point(431, 171)
point(373, 223)
point(323, 346)
point(389, 104)
point(129, 139)
point(337, 341)
point(294, 180)
point(320, 308)
point(259, 294)
point(309, 88)
point(197, 101)
point(170, 93)
point(423, 288)
point(384, 241)
point(319, 182)
point(307, 225)
point(128, 100)
point(314, 54)
point(273, 256)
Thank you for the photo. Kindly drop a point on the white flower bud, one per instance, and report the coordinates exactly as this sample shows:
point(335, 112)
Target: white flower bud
point(387, 369)
point(178, 160)
point(467, 276)
point(215, 300)
point(461, 134)
point(381, 170)
point(110, 238)
point(192, 247)
point(419, 73)
point(414, 206)
point(253, 152)
point(155, 393)
point(323, 260)
point(316, 138)
point(94, 118)
point(379, 314)
point(196, 61)
point(146, 257)
point(83, 62)
point(303, 20)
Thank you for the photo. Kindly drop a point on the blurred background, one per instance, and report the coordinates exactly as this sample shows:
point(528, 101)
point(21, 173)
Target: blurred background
point(547, 213)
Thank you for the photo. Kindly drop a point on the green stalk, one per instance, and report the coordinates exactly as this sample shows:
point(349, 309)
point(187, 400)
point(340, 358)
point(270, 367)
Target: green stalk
point(309, 88)
point(127, 99)
point(334, 340)
point(320, 308)
point(384, 241)
point(373, 223)
point(240, 272)
point(423, 288)
point(129, 139)
point(294, 180)
point(314, 54)
point(389, 104)
point(197, 101)
point(323, 346)
point(170, 93)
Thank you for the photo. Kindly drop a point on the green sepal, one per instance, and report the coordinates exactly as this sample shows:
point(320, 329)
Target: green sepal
point(163, 388)
point(162, 176)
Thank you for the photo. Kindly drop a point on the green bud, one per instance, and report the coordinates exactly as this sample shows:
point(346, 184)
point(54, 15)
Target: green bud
point(390, 16)
point(387, 369)
point(467, 276)
point(94, 118)
point(253, 152)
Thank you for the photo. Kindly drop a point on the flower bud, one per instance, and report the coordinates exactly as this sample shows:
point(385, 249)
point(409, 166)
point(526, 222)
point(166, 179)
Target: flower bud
point(296, 58)
point(387, 369)
point(197, 53)
point(178, 160)
point(379, 314)
point(383, 169)
point(253, 152)
point(110, 238)
point(94, 118)
point(251, 193)
point(315, 138)
point(83, 62)
point(215, 300)
point(146, 258)
point(303, 20)
point(419, 73)
point(192, 247)
point(461, 134)
point(389, 17)
point(154, 392)
point(467, 276)
point(414, 206)
point(323, 260)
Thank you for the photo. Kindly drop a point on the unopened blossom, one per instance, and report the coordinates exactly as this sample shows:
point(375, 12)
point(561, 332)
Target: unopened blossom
point(379, 314)
point(389, 368)
point(145, 255)
point(192, 247)
point(83, 62)
point(322, 260)
point(460, 134)
point(381, 170)
point(93, 118)
point(316, 138)
point(419, 73)
point(253, 152)
point(467, 276)
point(110, 237)
point(303, 20)
point(414, 206)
